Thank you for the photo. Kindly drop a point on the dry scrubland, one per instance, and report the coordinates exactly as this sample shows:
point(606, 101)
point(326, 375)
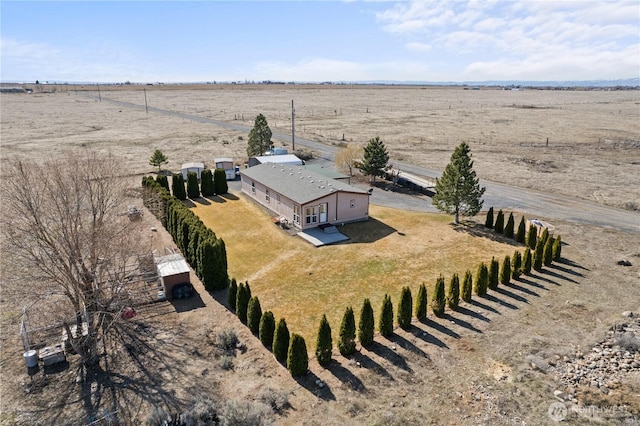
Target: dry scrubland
point(473, 367)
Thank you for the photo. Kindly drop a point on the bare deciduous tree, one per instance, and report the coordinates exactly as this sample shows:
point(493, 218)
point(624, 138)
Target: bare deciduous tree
point(348, 158)
point(66, 235)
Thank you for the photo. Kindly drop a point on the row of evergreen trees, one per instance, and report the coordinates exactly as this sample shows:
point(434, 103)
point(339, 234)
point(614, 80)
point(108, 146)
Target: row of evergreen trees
point(206, 253)
point(290, 349)
point(211, 183)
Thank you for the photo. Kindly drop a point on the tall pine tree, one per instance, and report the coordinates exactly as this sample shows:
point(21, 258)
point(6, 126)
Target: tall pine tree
point(259, 137)
point(458, 191)
point(375, 159)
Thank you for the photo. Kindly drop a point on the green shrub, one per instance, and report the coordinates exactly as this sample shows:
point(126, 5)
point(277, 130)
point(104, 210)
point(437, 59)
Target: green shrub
point(453, 292)
point(521, 234)
point(508, 229)
point(297, 357)
point(538, 255)
point(242, 302)
point(526, 261)
point(467, 284)
point(386, 317)
point(438, 298)
point(324, 343)
point(193, 190)
point(547, 254)
point(281, 341)
point(516, 265)
point(163, 181)
point(499, 225)
point(206, 183)
point(254, 314)
point(489, 220)
point(347, 338)
point(233, 293)
point(220, 182)
point(494, 271)
point(227, 340)
point(482, 280)
point(557, 249)
point(505, 271)
point(267, 328)
point(177, 186)
point(544, 236)
point(421, 303)
point(242, 412)
point(366, 324)
point(532, 236)
point(404, 308)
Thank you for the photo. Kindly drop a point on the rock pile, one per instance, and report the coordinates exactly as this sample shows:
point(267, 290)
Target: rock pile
point(606, 364)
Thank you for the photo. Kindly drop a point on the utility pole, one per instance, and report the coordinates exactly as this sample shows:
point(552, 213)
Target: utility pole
point(146, 108)
point(293, 127)
point(99, 96)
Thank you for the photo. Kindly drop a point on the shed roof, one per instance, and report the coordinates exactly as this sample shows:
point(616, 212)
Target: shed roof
point(296, 182)
point(223, 160)
point(171, 264)
point(286, 158)
point(193, 165)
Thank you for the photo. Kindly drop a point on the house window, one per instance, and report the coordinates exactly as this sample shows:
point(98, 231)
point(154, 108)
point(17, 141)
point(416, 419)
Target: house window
point(267, 197)
point(296, 214)
point(278, 198)
point(352, 203)
point(253, 187)
point(311, 215)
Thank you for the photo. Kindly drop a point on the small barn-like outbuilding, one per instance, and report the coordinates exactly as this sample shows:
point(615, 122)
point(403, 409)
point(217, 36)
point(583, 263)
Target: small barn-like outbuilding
point(289, 159)
point(173, 269)
point(195, 167)
point(227, 165)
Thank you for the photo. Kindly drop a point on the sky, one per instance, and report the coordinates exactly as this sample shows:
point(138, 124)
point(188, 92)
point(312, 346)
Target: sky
point(317, 41)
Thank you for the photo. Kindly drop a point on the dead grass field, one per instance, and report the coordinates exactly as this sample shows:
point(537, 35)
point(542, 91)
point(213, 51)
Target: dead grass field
point(468, 368)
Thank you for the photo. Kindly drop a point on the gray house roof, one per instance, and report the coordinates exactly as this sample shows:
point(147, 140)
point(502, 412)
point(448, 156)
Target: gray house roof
point(296, 182)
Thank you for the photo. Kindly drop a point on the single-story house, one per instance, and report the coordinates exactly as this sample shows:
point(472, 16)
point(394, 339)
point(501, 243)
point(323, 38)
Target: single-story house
point(277, 159)
point(173, 269)
point(192, 167)
point(303, 198)
point(227, 165)
point(328, 172)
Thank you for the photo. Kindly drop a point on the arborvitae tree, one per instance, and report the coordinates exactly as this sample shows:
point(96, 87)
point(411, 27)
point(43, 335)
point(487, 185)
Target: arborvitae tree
point(375, 158)
point(206, 183)
point(557, 249)
point(482, 280)
point(220, 182)
point(488, 222)
point(532, 236)
point(324, 344)
point(526, 261)
point(538, 256)
point(404, 308)
point(458, 191)
point(494, 271)
point(347, 339)
point(467, 284)
point(242, 302)
point(163, 181)
point(297, 357)
point(499, 225)
point(505, 271)
point(516, 265)
point(438, 299)
point(158, 159)
point(212, 262)
point(366, 324)
point(267, 328)
point(281, 341)
point(233, 293)
point(508, 229)
point(177, 186)
point(453, 292)
point(521, 234)
point(259, 137)
point(544, 236)
point(386, 317)
point(421, 303)
point(254, 313)
point(547, 255)
point(193, 190)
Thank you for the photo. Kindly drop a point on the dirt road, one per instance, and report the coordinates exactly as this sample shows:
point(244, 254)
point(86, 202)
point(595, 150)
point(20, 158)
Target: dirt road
point(536, 204)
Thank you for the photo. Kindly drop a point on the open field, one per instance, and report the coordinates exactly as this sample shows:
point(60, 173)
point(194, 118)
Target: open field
point(475, 366)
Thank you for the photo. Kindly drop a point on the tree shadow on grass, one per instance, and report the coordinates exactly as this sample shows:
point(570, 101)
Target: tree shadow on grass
point(390, 355)
point(504, 291)
point(525, 290)
point(406, 344)
point(567, 270)
point(346, 376)
point(229, 196)
point(202, 200)
point(538, 275)
point(311, 382)
point(524, 279)
point(441, 328)
point(189, 304)
point(216, 199)
point(367, 231)
point(368, 363)
point(481, 305)
point(499, 301)
point(465, 311)
point(572, 264)
point(462, 323)
point(554, 274)
point(187, 202)
point(479, 230)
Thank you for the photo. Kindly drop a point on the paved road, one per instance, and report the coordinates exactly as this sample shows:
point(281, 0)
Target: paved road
point(536, 204)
